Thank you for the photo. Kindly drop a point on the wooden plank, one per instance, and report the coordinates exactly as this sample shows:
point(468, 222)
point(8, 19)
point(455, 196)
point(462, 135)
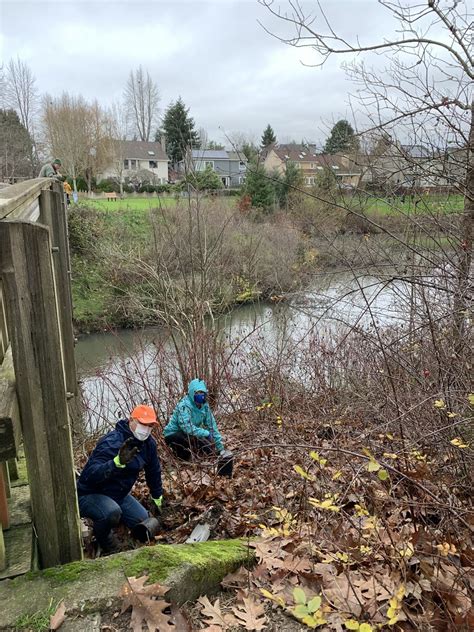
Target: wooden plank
point(53, 214)
point(29, 292)
point(3, 557)
point(4, 511)
point(6, 480)
point(19, 543)
point(10, 428)
point(20, 201)
point(3, 327)
point(13, 469)
point(19, 506)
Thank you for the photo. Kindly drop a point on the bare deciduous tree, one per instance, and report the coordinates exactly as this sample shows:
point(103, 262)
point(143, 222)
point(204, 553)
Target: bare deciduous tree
point(118, 123)
point(142, 98)
point(22, 95)
point(76, 133)
point(424, 95)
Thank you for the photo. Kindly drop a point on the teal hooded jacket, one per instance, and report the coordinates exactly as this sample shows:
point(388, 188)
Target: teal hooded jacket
point(198, 422)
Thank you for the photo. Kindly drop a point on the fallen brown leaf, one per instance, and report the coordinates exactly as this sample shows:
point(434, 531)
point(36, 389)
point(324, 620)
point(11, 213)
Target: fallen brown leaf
point(57, 619)
point(251, 614)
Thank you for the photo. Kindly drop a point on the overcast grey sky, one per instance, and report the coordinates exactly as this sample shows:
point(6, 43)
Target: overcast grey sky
point(233, 75)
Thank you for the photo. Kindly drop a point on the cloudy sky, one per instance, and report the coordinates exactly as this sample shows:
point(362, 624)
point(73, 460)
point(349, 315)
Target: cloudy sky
point(215, 54)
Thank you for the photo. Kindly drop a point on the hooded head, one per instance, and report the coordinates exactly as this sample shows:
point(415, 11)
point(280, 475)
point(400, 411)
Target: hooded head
point(194, 387)
point(56, 164)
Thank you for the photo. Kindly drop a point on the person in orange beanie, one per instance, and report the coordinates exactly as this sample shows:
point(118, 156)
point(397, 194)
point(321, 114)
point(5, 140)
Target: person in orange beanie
point(107, 479)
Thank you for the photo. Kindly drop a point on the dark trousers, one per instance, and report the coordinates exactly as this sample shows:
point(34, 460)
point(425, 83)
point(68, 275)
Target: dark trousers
point(106, 513)
point(185, 446)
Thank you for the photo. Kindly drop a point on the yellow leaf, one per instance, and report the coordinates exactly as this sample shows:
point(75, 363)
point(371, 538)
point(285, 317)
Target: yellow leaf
point(470, 398)
point(309, 621)
point(392, 612)
point(390, 455)
point(458, 443)
point(299, 470)
point(393, 620)
point(343, 557)
point(383, 475)
point(394, 603)
point(351, 624)
point(440, 403)
point(365, 627)
point(279, 600)
point(407, 550)
point(337, 475)
point(389, 435)
point(373, 466)
point(451, 415)
point(400, 592)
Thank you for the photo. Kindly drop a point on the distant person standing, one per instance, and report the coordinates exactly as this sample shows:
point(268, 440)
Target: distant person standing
point(51, 170)
point(67, 190)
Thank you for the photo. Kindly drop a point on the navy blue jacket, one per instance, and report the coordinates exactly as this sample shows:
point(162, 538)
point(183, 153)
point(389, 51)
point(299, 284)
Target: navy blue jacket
point(101, 476)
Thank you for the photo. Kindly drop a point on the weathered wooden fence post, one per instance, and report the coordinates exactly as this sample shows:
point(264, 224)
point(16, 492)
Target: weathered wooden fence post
point(35, 335)
point(53, 214)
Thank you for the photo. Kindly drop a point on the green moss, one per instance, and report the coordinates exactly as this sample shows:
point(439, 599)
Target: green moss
point(157, 561)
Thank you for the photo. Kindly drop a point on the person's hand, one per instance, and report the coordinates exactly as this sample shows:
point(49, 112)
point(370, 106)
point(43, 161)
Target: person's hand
point(128, 451)
point(157, 506)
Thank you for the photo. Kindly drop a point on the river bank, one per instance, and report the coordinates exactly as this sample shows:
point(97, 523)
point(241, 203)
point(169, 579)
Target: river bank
point(127, 262)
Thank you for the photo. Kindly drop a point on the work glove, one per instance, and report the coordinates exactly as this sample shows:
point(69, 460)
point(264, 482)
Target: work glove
point(127, 453)
point(157, 505)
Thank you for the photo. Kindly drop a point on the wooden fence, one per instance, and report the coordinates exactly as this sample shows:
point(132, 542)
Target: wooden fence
point(37, 366)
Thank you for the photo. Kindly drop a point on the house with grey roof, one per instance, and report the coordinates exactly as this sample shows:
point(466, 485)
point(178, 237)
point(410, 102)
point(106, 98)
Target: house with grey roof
point(135, 159)
point(229, 165)
point(312, 163)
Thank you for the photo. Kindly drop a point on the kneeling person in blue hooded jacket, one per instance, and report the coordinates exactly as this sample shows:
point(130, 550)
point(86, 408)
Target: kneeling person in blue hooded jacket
point(192, 429)
point(110, 473)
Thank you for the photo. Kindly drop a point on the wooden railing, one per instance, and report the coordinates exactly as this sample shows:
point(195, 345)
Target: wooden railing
point(37, 367)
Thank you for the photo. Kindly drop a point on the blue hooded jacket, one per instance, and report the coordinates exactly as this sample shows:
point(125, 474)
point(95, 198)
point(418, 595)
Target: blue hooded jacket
point(194, 421)
point(101, 476)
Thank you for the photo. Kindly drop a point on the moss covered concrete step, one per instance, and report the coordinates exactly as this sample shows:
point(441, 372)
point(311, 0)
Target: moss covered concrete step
point(189, 570)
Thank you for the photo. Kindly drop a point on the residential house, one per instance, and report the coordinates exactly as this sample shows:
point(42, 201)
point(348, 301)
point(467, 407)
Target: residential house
point(134, 159)
point(397, 167)
point(311, 163)
point(229, 165)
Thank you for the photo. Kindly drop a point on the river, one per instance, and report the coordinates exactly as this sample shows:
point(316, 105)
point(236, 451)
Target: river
point(110, 364)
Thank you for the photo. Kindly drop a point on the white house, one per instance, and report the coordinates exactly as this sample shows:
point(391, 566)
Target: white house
point(135, 158)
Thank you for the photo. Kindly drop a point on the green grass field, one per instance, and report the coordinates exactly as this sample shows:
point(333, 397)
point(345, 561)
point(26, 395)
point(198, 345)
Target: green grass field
point(132, 204)
point(420, 205)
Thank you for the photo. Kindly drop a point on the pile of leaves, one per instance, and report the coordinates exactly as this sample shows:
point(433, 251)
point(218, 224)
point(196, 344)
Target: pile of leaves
point(356, 525)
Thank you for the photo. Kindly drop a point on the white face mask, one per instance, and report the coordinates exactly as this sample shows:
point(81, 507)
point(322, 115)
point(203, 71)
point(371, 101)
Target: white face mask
point(141, 432)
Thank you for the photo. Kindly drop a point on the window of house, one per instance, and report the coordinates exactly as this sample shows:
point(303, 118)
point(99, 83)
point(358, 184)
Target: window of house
point(133, 164)
point(125, 164)
point(209, 163)
point(241, 179)
point(309, 180)
point(153, 164)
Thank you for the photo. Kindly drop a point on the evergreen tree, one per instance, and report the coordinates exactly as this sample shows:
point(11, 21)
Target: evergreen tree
point(178, 128)
point(258, 186)
point(212, 144)
point(341, 138)
point(288, 183)
point(16, 146)
point(268, 136)
point(250, 151)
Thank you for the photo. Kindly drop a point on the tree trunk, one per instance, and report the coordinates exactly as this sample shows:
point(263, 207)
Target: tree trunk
point(461, 301)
